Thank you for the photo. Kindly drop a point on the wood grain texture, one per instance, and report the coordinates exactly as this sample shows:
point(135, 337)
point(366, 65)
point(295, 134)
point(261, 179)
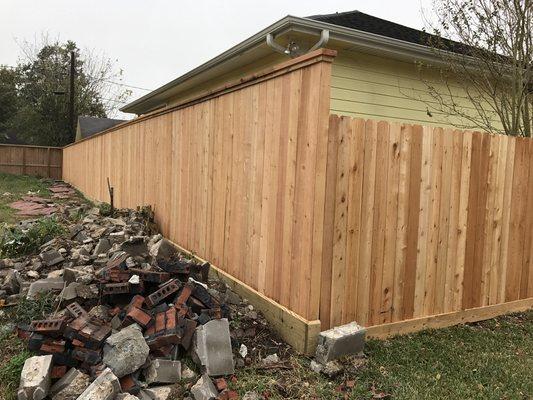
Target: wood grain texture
point(40, 161)
point(443, 224)
point(238, 177)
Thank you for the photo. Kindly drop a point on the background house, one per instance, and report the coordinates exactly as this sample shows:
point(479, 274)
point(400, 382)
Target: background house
point(88, 126)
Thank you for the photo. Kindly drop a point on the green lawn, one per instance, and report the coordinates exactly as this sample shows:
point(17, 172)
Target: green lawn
point(13, 187)
point(488, 360)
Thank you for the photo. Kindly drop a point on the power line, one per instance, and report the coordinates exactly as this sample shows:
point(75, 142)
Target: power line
point(103, 80)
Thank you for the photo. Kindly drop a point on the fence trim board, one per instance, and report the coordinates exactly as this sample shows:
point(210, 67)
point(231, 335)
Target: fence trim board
point(320, 55)
point(448, 319)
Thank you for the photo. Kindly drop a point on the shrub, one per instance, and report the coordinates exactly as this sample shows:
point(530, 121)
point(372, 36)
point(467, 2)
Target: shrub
point(16, 242)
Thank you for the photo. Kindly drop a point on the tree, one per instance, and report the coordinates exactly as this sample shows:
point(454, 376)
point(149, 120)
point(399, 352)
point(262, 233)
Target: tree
point(42, 84)
point(485, 47)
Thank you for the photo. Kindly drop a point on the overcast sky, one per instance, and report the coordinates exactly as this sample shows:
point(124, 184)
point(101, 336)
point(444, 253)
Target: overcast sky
point(158, 40)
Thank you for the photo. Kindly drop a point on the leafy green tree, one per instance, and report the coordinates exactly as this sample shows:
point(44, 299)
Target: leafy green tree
point(39, 112)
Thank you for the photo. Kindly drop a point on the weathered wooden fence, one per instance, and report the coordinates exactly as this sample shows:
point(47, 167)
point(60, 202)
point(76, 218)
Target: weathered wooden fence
point(324, 219)
point(39, 161)
point(424, 221)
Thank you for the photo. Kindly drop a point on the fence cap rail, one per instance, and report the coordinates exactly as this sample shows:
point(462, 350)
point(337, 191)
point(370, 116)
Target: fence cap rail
point(30, 146)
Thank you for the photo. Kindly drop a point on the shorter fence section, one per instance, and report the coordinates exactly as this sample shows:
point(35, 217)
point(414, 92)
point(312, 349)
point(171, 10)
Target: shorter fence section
point(425, 222)
point(45, 162)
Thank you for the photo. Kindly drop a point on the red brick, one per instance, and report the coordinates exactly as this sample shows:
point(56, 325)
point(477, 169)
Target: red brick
point(221, 384)
point(139, 316)
point(160, 322)
point(58, 371)
point(171, 319)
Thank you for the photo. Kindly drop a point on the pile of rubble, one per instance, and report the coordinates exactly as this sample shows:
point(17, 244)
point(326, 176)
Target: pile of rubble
point(131, 308)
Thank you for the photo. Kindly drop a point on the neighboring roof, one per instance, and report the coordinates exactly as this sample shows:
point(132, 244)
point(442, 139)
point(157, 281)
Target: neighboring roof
point(88, 126)
point(368, 23)
point(10, 138)
point(345, 29)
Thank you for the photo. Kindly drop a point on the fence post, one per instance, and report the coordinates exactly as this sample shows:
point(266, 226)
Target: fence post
point(48, 162)
point(24, 161)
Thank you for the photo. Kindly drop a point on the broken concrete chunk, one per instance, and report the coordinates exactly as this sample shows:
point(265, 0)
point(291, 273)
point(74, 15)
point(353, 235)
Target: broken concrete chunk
point(126, 351)
point(51, 258)
point(105, 387)
point(163, 250)
point(103, 246)
point(82, 274)
point(159, 393)
point(340, 341)
point(135, 246)
point(12, 282)
point(187, 373)
point(126, 396)
point(163, 371)
point(70, 292)
point(35, 378)
point(270, 360)
point(251, 396)
point(70, 386)
point(213, 347)
point(45, 286)
point(204, 389)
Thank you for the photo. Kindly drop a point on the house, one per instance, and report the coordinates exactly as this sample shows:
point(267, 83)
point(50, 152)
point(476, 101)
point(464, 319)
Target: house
point(88, 126)
point(376, 73)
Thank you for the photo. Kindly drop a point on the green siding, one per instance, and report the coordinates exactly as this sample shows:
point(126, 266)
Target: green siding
point(369, 86)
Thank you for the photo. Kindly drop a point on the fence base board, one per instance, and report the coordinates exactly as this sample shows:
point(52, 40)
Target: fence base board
point(300, 333)
point(448, 319)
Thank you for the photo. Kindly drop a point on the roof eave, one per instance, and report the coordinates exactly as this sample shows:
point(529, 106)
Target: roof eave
point(390, 46)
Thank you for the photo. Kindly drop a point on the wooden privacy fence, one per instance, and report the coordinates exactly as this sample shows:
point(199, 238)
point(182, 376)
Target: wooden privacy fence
point(45, 162)
point(321, 220)
point(424, 221)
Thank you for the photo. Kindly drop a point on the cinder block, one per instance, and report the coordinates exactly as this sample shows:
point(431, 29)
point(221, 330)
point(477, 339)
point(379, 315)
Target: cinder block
point(340, 341)
point(35, 378)
point(163, 371)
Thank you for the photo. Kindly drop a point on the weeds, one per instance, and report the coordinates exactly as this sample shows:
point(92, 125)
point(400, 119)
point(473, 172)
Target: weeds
point(10, 374)
point(16, 242)
point(28, 310)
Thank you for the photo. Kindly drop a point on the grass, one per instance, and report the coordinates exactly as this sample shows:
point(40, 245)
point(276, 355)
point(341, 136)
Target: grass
point(16, 242)
point(488, 360)
point(13, 187)
point(14, 351)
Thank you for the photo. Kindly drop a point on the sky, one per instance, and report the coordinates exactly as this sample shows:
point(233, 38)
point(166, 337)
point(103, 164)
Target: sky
point(155, 41)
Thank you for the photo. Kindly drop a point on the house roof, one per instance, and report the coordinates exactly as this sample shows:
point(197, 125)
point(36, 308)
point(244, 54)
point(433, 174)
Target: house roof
point(348, 30)
point(88, 126)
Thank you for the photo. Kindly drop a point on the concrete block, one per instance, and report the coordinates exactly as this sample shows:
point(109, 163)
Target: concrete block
point(70, 386)
point(159, 393)
point(204, 389)
point(45, 286)
point(340, 341)
point(126, 396)
point(35, 378)
point(102, 247)
point(163, 371)
point(51, 258)
point(105, 387)
point(212, 347)
point(126, 351)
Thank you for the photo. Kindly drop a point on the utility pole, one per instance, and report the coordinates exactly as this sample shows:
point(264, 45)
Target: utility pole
point(71, 94)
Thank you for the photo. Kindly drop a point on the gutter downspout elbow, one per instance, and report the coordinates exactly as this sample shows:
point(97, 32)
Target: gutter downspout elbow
point(324, 38)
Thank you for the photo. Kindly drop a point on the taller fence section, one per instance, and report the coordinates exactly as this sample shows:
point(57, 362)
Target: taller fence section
point(425, 222)
point(236, 176)
point(42, 161)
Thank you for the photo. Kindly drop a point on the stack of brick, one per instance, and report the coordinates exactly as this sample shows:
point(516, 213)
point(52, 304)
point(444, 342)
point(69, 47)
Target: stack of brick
point(160, 310)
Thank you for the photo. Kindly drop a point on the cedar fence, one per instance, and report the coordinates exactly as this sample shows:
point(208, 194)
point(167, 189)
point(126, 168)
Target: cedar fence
point(45, 162)
point(321, 220)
